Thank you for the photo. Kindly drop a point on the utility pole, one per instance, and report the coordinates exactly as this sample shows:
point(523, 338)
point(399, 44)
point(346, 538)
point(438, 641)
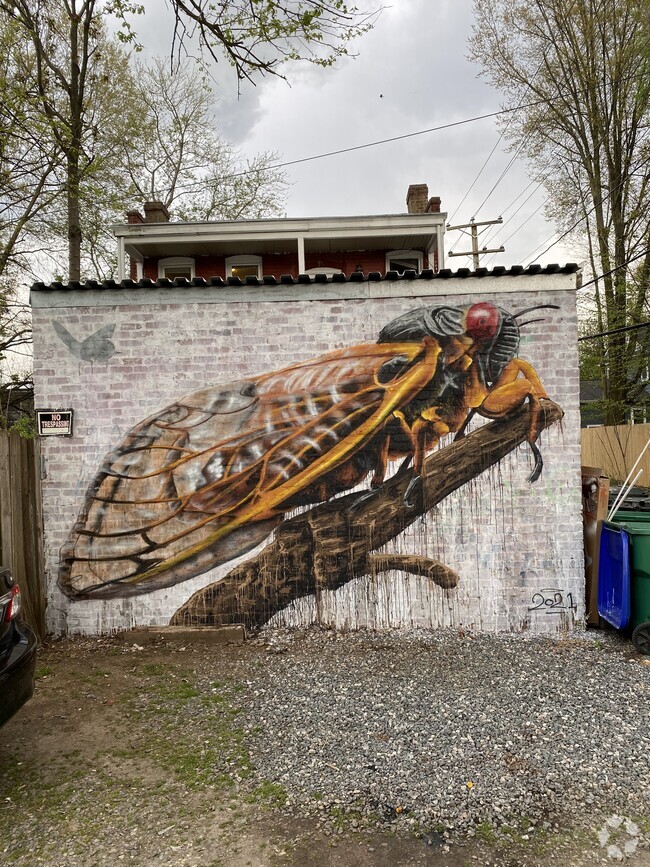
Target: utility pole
point(475, 252)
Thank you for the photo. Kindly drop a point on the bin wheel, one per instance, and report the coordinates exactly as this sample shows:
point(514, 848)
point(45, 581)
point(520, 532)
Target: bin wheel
point(641, 638)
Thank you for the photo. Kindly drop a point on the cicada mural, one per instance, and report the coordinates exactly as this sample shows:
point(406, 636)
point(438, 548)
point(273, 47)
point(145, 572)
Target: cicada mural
point(209, 477)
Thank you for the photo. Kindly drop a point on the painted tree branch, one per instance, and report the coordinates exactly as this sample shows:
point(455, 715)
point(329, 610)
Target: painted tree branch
point(434, 570)
point(332, 543)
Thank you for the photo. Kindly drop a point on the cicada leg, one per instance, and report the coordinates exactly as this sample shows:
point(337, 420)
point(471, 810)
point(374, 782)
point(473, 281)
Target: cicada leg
point(424, 433)
point(509, 393)
point(382, 462)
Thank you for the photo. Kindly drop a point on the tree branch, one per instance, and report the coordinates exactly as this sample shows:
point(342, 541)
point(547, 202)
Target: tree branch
point(333, 543)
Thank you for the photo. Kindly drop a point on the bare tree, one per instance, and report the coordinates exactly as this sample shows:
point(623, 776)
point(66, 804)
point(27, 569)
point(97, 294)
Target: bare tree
point(577, 73)
point(177, 156)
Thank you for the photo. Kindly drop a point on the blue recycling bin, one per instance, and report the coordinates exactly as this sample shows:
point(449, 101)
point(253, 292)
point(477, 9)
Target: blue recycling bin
point(614, 575)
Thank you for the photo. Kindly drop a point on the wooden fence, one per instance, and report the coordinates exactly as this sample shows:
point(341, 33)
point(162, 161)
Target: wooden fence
point(21, 533)
point(616, 449)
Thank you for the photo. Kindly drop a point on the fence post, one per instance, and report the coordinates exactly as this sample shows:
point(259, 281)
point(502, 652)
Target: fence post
point(21, 537)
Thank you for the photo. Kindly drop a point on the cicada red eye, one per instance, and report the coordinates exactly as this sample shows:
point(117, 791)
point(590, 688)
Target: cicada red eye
point(482, 321)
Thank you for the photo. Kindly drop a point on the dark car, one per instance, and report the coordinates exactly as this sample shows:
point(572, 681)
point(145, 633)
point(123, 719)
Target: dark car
point(17, 650)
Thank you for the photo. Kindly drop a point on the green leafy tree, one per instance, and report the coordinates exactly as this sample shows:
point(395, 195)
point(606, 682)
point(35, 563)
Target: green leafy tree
point(28, 160)
point(577, 73)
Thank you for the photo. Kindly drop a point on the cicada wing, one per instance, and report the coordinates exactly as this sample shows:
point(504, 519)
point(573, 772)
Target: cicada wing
point(137, 510)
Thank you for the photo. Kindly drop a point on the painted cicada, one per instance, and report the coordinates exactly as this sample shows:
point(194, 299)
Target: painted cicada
point(210, 476)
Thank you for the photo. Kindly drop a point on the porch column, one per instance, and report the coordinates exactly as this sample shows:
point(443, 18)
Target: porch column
point(301, 254)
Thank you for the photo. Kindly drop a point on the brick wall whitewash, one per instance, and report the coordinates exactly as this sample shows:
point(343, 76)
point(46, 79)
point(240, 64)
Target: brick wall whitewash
point(517, 546)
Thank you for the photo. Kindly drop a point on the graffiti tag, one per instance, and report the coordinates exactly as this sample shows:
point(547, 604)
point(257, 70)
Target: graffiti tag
point(551, 600)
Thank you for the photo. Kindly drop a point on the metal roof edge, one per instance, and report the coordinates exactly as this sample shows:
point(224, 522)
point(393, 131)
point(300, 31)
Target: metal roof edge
point(288, 280)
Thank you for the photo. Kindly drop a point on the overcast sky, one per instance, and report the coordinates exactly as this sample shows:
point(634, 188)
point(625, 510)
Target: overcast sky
point(411, 74)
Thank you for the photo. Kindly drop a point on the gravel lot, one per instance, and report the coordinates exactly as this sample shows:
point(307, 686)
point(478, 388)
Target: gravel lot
point(455, 731)
point(310, 748)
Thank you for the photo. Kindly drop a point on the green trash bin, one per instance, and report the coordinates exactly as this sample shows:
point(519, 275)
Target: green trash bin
point(637, 526)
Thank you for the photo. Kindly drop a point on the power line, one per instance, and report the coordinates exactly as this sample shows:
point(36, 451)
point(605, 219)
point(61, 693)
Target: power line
point(615, 331)
point(480, 172)
point(373, 144)
point(617, 268)
point(503, 134)
point(586, 216)
point(521, 225)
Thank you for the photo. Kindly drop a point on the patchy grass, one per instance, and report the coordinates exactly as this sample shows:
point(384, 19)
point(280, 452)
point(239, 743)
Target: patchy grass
point(486, 833)
point(271, 794)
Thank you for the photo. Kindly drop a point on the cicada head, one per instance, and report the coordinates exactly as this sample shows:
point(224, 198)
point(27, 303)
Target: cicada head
point(497, 333)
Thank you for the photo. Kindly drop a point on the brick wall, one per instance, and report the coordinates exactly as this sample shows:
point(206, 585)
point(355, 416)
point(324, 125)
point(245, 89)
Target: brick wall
point(514, 544)
point(277, 264)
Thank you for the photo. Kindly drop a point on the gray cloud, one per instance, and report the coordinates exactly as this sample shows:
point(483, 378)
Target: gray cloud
point(411, 74)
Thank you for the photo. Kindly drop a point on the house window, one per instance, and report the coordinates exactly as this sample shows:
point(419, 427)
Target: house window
point(404, 260)
point(639, 415)
point(244, 266)
point(176, 266)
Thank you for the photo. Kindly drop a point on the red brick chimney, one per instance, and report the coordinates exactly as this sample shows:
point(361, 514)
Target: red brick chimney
point(155, 212)
point(416, 198)
point(134, 217)
point(434, 205)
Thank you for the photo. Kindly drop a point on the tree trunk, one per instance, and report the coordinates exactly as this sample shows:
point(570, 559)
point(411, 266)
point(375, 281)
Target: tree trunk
point(73, 154)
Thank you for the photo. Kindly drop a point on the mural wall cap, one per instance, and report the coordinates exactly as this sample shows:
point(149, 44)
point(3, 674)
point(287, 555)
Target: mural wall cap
point(532, 270)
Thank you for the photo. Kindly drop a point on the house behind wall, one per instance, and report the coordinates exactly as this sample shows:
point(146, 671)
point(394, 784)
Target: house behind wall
point(516, 546)
point(156, 247)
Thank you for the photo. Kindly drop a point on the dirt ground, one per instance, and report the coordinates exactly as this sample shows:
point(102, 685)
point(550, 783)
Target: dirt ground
point(111, 762)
